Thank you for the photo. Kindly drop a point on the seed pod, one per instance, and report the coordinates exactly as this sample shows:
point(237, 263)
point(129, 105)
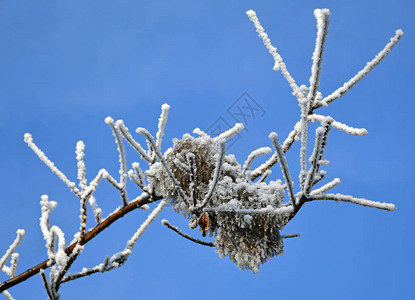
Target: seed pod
point(204, 223)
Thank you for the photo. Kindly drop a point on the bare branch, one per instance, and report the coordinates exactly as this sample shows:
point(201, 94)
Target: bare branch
point(289, 236)
point(177, 230)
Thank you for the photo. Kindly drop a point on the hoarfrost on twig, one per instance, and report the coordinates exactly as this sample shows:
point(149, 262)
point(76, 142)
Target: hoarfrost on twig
point(279, 63)
point(230, 132)
point(29, 140)
point(351, 199)
point(254, 154)
point(326, 187)
point(284, 167)
point(362, 73)
point(20, 234)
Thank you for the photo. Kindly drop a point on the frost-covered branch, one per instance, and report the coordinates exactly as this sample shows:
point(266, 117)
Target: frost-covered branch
point(279, 63)
point(8, 295)
point(230, 132)
point(284, 167)
point(244, 215)
point(326, 187)
point(29, 140)
point(338, 125)
point(254, 154)
point(122, 159)
point(362, 73)
point(322, 17)
point(128, 137)
point(146, 223)
point(316, 157)
point(80, 154)
point(216, 173)
point(159, 155)
point(20, 234)
point(351, 199)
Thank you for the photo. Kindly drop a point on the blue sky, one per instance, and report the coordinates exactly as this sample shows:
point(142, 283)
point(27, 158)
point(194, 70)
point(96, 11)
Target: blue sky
point(66, 65)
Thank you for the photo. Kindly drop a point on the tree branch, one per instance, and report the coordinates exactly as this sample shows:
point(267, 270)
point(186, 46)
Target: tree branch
point(175, 229)
point(140, 201)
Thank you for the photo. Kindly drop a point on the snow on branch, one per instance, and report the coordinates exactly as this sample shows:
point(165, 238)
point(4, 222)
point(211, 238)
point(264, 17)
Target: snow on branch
point(279, 63)
point(50, 234)
point(8, 295)
point(322, 17)
point(29, 141)
point(338, 125)
point(162, 123)
point(137, 176)
point(159, 155)
point(119, 258)
point(122, 159)
point(80, 154)
point(131, 243)
point(351, 199)
point(317, 155)
point(10, 253)
point(283, 162)
point(216, 173)
point(362, 73)
point(128, 137)
point(206, 185)
point(326, 187)
point(254, 154)
point(230, 132)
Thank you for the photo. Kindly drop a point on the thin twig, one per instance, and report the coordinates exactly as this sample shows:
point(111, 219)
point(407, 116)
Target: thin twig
point(254, 154)
point(29, 141)
point(362, 73)
point(46, 284)
point(122, 159)
point(177, 230)
point(284, 166)
point(351, 199)
point(216, 174)
point(128, 137)
point(289, 236)
point(279, 63)
point(322, 18)
point(160, 156)
point(20, 233)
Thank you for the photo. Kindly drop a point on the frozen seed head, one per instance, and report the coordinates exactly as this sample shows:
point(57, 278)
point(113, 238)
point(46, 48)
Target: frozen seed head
point(247, 240)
